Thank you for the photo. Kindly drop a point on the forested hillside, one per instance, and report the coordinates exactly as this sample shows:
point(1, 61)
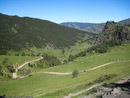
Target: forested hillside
point(23, 32)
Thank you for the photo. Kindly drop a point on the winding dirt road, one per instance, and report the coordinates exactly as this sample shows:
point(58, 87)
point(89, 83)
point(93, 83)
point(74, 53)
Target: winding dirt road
point(14, 75)
point(58, 73)
point(93, 86)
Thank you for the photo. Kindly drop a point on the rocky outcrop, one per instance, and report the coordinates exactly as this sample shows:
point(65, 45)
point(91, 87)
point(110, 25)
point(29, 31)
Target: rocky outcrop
point(120, 89)
point(115, 31)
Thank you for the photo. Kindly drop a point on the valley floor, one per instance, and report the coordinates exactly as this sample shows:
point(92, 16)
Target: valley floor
point(93, 68)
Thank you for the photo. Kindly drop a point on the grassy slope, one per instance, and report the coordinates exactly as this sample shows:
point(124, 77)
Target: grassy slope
point(23, 33)
point(55, 52)
point(93, 60)
point(16, 59)
point(59, 86)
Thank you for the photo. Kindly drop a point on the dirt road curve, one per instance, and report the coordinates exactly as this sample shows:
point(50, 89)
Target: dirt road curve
point(29, 62)
point(93, 86)
point(58, 73)
point(14, 75)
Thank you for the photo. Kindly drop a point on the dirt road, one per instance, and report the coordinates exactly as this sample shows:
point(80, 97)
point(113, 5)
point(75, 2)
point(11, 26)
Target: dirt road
point(14, 75)
point(58, 73)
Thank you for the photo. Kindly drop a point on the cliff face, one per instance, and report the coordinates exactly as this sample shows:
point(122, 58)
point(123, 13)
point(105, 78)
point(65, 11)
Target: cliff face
point(115, 31)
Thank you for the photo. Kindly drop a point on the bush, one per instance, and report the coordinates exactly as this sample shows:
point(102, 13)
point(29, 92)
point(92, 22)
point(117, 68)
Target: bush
point(1, 73)
point(71, 58)
point(75, 73)
point(23, 54)
point(30, 64)
point(105, 78)
point(10, 68)
point(38, 54)
point(5, 61)
point(101, 49)
point(17, 54)
point(32, 54)
point(51, 60)
point(25, 71)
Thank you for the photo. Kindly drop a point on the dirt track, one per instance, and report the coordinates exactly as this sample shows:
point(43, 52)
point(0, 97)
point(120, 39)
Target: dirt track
point(58, 73)
point(14, 75)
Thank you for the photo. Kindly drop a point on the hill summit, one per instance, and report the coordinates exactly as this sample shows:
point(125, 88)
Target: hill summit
point(112, 30)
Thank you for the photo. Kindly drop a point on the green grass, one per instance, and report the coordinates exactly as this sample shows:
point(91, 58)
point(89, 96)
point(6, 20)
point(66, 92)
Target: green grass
point(78, 47)
point(86, 93)
point(17, 59)
point(45, 83)
point(57, 86)
point(92, 60)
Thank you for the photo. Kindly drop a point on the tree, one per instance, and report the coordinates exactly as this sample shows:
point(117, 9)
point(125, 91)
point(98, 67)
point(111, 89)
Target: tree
point(10, 68)
point(5, 61)
point(23, 53)
point(1, 73)
point(75, 73)
point(17, 54)
point(38, 54)
point(51, 60)
point(25, 71)
point(71, 58)
point(32, 54)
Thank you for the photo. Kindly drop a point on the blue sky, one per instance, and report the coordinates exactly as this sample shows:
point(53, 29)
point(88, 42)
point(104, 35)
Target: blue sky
point(68, 10)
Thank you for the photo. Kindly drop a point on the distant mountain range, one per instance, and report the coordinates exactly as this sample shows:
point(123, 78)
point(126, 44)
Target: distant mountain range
point(77, 25)
point(91, 27)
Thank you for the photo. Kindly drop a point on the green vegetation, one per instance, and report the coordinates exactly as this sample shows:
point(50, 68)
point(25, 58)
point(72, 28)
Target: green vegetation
point(75, 73)
point(94, 90)
point(8, 64)
point(82, 63)
point(24, 33)
point(25, 39)
point(48, 85)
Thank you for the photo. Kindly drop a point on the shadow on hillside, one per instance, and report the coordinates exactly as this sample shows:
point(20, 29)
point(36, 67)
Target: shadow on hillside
point(125, 86)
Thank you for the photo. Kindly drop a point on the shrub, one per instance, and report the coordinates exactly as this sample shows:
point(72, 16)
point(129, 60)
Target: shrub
point(5, 61)
point(51, 60)
point(105, 78)
point(38, 54)
point(10, 68)
point(23, 54)
point(1, 73)
point(17, 54)
point(30, 64)
point(75, 73)
point(25, 71)
point(32, 54)
point(71, 58)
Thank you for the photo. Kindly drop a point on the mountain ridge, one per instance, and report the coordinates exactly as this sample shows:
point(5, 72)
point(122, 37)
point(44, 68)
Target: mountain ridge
point(23, 32)
point(95, 27)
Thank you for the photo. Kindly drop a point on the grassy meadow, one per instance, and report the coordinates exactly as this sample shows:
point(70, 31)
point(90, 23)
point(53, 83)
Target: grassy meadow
point(41, 85)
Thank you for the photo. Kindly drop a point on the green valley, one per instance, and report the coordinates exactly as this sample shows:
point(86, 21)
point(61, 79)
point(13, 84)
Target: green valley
point(42, 59)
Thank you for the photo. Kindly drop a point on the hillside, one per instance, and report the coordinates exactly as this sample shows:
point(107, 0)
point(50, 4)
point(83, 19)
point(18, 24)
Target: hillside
point(44, 79)
point(92, 27)
point(43, 85)
point(114, 31)
point(17, 33)
point(126, 21)
point(97, 28)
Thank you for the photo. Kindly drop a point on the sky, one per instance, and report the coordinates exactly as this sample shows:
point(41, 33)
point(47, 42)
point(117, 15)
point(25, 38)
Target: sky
point(94, 11)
